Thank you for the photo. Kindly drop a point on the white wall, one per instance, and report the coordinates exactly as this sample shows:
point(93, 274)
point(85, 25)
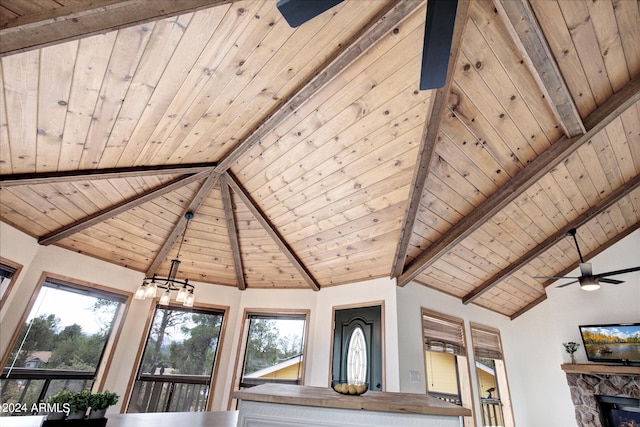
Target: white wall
point(18, 247)
point(539, 334)
point(532, 342)
point(358, 293)
point(411, 298)
point(51, 259)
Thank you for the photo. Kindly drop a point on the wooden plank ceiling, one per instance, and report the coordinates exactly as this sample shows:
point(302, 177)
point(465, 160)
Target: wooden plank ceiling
point(309, 156)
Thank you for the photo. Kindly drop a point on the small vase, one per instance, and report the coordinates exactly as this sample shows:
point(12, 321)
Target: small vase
point(573, 358)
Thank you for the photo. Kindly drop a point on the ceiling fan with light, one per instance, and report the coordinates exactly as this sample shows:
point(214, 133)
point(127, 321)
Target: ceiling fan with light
point(438, 33)
point(587, 280)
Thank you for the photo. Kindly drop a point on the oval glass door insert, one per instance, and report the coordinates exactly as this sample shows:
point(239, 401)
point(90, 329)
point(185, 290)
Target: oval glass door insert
point(357, 357)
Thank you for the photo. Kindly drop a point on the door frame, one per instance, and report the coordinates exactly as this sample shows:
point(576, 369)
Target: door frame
point(383, 346)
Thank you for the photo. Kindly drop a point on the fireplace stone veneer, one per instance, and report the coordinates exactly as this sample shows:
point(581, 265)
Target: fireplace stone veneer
point(586, 385)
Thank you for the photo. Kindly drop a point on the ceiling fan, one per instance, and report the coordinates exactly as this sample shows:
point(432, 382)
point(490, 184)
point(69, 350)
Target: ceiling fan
point(587, 280)
point(438, 34)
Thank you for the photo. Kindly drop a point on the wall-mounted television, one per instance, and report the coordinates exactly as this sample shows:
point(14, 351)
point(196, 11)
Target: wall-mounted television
point(614, 343)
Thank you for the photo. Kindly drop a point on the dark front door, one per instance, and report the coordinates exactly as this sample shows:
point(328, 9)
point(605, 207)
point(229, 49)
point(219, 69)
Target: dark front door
point(363, 322)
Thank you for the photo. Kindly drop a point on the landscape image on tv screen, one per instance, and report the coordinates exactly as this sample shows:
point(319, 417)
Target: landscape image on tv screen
point(611, 342)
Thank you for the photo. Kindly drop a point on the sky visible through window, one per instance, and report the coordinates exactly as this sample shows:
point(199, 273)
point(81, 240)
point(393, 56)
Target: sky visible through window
point(70, 307)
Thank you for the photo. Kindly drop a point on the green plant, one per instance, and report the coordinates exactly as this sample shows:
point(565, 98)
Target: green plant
point(80, 400)
point(103, 400)
point(571, 346)
point(60, 398)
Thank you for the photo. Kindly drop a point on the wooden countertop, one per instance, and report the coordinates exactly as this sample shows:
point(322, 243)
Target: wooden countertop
point(595, 368)
point(370, 401)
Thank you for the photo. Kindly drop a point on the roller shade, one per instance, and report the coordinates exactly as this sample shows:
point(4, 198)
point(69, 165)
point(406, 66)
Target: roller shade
point(486, 344)
point(6, 271)
point(443, 335)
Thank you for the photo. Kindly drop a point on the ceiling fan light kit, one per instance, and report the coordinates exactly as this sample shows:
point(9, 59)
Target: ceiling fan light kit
point(589, 283)
point(587, 280)
point(184, 290)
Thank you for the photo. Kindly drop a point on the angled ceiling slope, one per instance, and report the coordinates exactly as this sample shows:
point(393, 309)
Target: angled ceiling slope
point(309, 155)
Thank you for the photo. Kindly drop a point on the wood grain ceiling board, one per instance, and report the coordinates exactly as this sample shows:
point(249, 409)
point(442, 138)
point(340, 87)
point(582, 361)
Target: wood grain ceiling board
point(265, 265)
point(156, 218)
point(321, 127)
point(18, 8)
point(57, 204)
point(564, 253)
point(578, 31)
point(322, 191)
point(491, 132)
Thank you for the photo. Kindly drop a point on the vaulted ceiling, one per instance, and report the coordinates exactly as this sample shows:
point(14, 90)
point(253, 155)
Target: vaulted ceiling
point(309, 156)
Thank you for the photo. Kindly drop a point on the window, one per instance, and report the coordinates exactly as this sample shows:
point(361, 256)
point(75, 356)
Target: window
point(446, 367)
point(8, 273)
point(492, 379)
point(57, 347)
point(273, 349)
point(176, 370)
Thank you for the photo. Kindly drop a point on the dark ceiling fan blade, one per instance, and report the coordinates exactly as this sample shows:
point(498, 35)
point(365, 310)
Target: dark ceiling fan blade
point(566, 284)
point(438, 34)
point(613, 273)
point(297, 12)
point(612, 281)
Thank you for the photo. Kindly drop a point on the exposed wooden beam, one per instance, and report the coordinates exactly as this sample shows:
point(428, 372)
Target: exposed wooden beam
point(529, 306)
point(195, 203)
point(386, 20)
point(271, 231)
point(107, 173)
point(523, 26)
point(232, 230)
point(428, 141)
point(117, 209)
point(530, 174)
point(86, 18)
point(550, 241)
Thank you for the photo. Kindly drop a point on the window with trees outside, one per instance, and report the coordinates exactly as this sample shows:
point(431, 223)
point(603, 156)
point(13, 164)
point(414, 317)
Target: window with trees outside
point(274, 349)
point(61, 344)
point(8, 273)
point(446, 365)
point(492, 377)
point(176, 370)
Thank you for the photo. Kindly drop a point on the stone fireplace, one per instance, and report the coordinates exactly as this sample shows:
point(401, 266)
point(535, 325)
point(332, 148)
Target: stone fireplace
point(589, 381)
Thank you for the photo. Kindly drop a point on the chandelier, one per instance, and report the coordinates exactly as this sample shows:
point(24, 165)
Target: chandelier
point(150, 285)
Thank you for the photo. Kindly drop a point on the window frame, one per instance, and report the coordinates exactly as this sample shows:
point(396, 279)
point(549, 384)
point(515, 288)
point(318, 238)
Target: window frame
point(198, 307)
point(244, 336)
point(463, 369)
point(116, 328)
point(500, 371)
point(17, 269)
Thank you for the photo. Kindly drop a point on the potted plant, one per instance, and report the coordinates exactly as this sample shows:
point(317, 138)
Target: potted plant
point(58, 404)
point(78, 404)
point(99, 403)
point(571, 348)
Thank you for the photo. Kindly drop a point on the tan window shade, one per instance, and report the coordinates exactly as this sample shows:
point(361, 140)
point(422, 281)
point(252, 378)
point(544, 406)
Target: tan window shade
point(486, 344)
point(443, 335)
